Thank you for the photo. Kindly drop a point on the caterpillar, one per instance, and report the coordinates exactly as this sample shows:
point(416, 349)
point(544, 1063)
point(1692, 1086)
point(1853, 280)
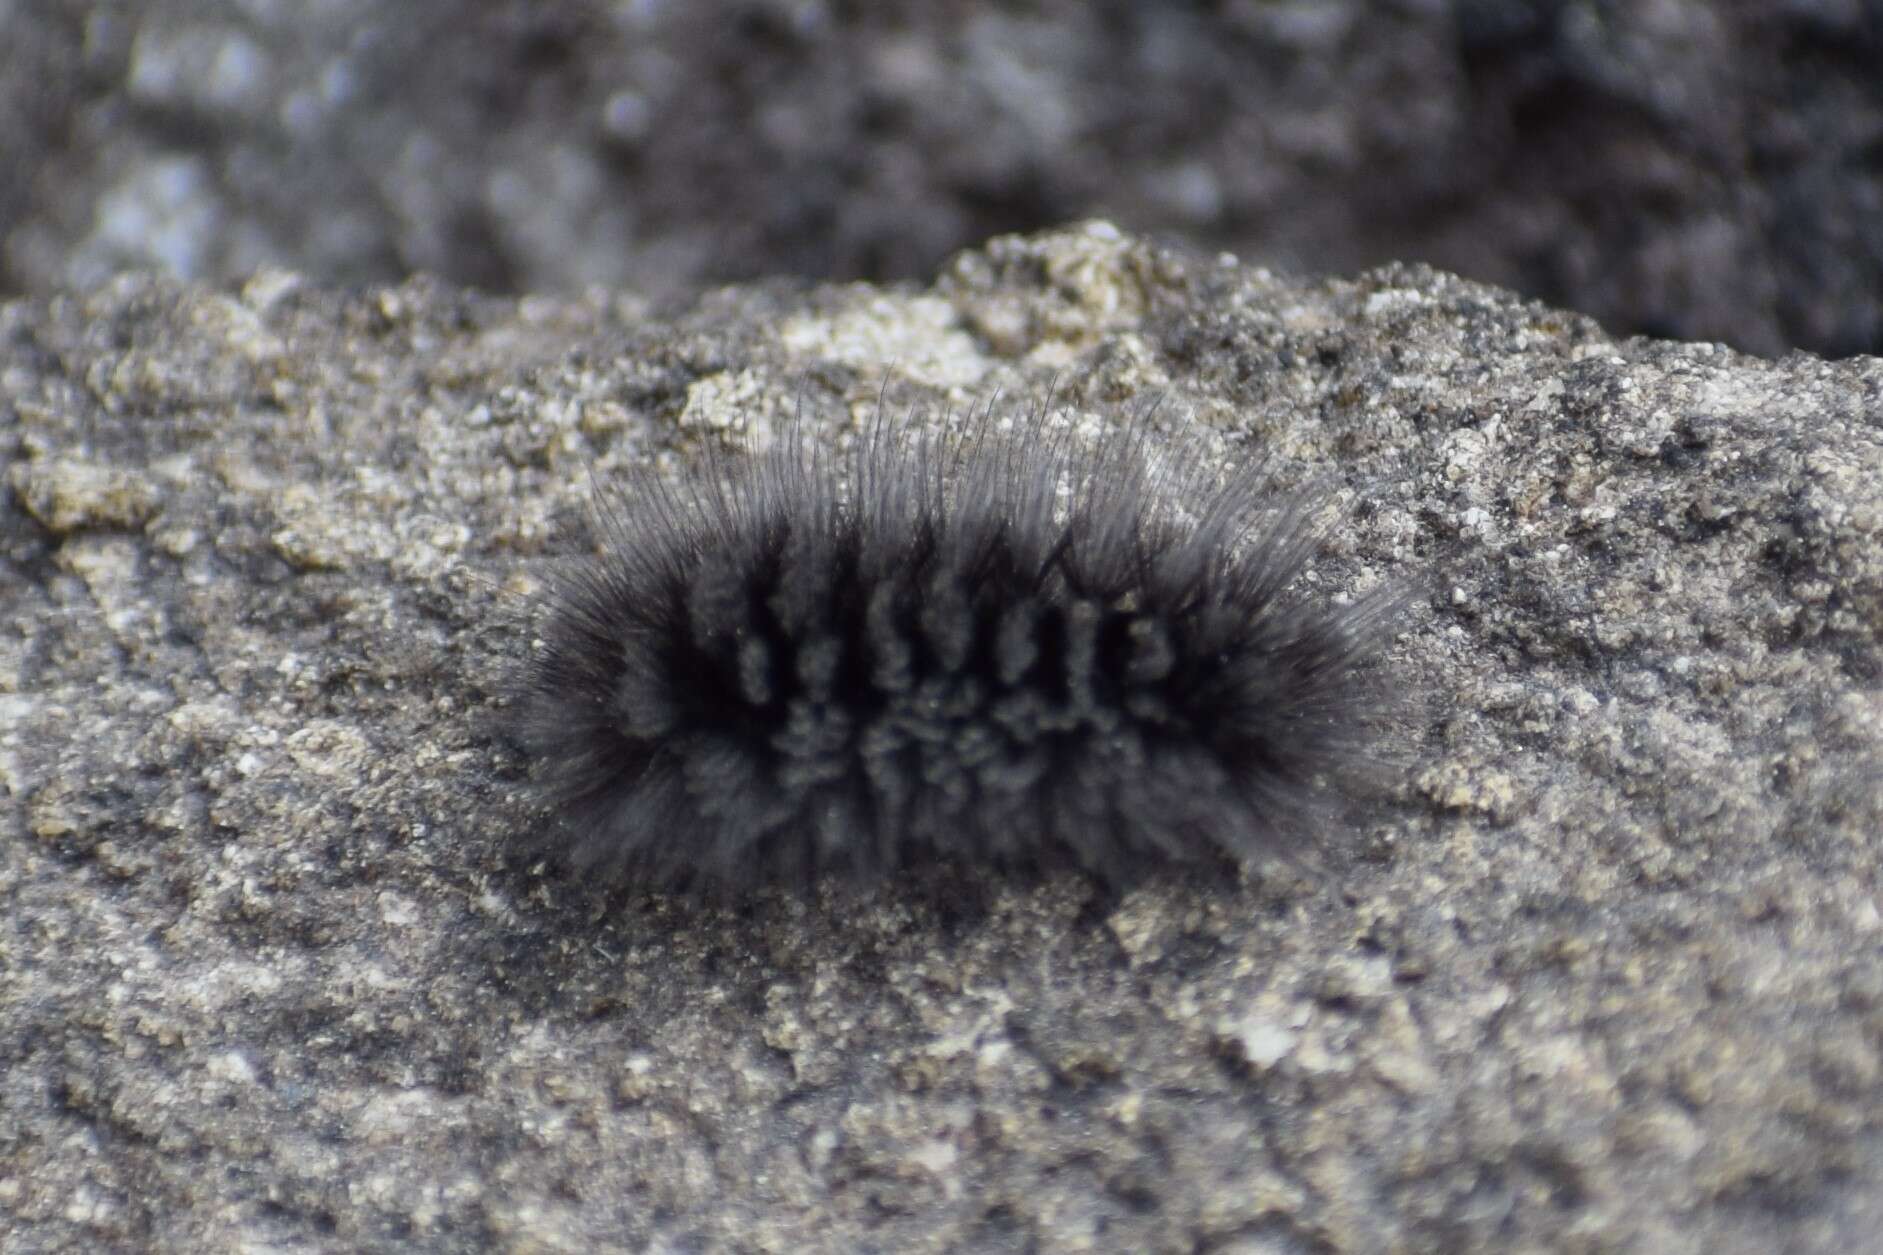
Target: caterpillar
point(1006, 647)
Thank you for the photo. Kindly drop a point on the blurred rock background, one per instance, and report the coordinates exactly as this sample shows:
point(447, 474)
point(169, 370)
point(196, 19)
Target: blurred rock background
point(1701, 169)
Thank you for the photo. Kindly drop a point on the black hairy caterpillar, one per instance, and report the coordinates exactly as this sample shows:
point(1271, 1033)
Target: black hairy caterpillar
point(1002, 647)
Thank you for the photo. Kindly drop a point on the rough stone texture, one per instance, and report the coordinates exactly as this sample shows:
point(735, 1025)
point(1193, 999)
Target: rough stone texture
point(1605, 973)
point(1708, 169)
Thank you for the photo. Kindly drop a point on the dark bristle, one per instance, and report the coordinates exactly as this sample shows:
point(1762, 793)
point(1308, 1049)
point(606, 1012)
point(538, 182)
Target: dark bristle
point(1000, 649)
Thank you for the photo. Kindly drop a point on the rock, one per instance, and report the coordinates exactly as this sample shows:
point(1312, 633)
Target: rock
point(1705, 169)
point(1601, 970)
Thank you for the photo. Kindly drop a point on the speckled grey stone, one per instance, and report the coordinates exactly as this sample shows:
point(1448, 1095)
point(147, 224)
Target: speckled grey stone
point(1708, 169)
point(1604, 973)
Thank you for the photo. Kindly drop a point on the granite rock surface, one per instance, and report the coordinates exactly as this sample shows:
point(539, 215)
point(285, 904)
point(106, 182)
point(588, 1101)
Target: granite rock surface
point(1604, 971)
point(1706, 169)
